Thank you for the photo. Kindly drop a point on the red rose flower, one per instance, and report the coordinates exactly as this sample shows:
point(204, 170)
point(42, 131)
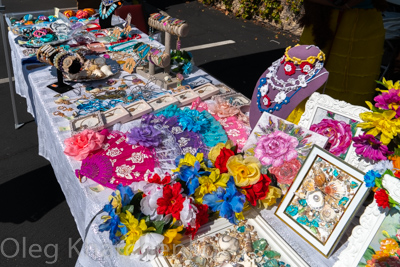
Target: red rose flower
point(382, 198)
point(289, 68)
point(286, 173)
point(306, 67)
point(172, 201)
point(220, 161)
point(258, 190)
point(201, 218)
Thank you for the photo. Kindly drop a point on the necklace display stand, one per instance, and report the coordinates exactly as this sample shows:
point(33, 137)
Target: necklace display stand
point(163, 74)
point(59, 86)
point(105, 22)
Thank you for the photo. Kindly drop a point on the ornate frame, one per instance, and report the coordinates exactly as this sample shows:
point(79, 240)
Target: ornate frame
point(342, 108)
point(370, 221)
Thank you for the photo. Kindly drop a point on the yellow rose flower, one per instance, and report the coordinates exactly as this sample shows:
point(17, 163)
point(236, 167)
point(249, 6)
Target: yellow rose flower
point(389, 245)
point(381, 123)
point(273, 194)
point(210, 184)
point(172, 237)
point(214, 152)
point(245, 171)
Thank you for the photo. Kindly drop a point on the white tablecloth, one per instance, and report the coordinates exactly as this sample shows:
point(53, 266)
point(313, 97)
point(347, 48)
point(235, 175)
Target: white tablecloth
point(83, 202)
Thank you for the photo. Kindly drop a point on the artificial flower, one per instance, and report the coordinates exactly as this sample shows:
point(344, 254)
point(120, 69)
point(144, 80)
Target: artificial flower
point(222, 108)
point(370, 176)
point(172, 237)
point(111, 223)
point(216, 150)
point(222, 158)
point(382, 198)
point(245, 171)
point(148, 204)
point(389, 245)
point(280, 97)
point(369, 147)
point(258, 190)
point(149, 246)
point(286, 173)
point(188, 213)
point(210, 183)
point(228, 201)
point(338, 132)
point(156, 179)
point(382, 166)
point(135, 230)
point(172, 201)
point(201, 219)
point(389, 85)
point(396, 165)
point(275, 148)
point(381, 123)
point(193, 120)
point(388, 100)
point(84, 143)
point(146, 136)
point(119, 198)
point(306, 67)
point(289, 68)
point(266, 101)
point(273, 194)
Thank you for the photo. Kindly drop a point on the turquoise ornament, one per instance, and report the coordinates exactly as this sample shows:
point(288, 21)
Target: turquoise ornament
point(28, 17)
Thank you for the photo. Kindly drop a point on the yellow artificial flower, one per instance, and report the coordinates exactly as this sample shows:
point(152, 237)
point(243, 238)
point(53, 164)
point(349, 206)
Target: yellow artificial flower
point(239, 216)
point(245, 171)
point(389, 246)
point(135, 230)
point(116, 201)
point(390, 85)
point(216, 150)
point(189, 160)
point(381, 123)
point(172, 237)
point(210, 184)
point(273, 194)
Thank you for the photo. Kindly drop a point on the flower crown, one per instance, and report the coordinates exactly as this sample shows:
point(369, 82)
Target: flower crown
point(298, 61)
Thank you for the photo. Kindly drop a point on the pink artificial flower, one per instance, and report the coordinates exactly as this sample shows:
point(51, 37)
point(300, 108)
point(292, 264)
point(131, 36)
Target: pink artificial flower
point(369, 147)
point(388, 100)
point(82, 144)
point(275, 148)
point(338, 133)
point(222, 108)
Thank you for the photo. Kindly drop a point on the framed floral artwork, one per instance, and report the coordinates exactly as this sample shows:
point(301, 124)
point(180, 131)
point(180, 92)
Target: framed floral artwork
point(338, 121)
point(375, 241)
point(281, 147)
point(322, 199)
point(219, 243)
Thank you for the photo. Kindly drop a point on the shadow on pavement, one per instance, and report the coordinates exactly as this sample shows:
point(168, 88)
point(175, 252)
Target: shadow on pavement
point(242, 73)
point(30, 196)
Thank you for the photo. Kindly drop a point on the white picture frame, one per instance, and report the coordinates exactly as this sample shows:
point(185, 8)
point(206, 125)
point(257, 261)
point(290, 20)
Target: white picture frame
point(327, 245)
point(370, 222)
point(318, 103)
point(288, 255)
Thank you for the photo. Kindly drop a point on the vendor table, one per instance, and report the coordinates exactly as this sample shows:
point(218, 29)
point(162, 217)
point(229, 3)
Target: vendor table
point(84, 203)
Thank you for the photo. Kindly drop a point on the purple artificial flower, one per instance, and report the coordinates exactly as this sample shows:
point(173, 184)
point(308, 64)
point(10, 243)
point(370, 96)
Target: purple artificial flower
point(145, 136)
point(369, 147)
point(388, 100)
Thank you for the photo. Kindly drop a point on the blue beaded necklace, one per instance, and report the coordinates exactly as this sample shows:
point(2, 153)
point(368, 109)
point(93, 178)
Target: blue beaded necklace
point(109, 12)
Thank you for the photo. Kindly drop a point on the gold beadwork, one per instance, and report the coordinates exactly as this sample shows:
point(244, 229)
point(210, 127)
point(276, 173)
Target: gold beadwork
point(310, 59)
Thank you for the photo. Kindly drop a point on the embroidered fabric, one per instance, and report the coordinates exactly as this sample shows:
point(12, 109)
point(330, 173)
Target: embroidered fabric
point(195, 121)
point(130, 163)
point(234, 122)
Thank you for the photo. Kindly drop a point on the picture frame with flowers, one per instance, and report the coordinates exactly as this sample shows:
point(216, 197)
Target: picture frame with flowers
point(323, 200)
point(375, 241)
point(338, 120)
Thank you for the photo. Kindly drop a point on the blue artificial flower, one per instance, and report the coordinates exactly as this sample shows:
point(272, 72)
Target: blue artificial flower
point(228, 201)
point(187, 68)
point(292, 210)
point(112, 225)
point(369, 178)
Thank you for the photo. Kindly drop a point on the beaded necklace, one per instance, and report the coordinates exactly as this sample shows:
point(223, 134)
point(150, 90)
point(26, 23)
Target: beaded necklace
point(103, 11)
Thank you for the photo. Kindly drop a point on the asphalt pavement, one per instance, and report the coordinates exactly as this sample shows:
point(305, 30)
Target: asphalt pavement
point(37, 228)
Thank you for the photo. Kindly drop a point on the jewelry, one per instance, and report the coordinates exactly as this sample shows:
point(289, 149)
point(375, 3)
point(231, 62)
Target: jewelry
point(104, 13)
point(298, 61)
point(123, 46)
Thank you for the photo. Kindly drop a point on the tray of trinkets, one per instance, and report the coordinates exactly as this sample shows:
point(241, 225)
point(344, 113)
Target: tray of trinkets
point(250, 243)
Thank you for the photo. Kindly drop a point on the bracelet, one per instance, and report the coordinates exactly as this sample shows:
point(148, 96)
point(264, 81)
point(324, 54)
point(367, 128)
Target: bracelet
point(47, 38)
point(39, 33)
point(92, 27)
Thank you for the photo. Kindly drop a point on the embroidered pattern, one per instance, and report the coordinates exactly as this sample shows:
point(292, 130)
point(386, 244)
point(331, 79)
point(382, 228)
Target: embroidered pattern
point(137, 157)
point(125, 171)
point(113, 152)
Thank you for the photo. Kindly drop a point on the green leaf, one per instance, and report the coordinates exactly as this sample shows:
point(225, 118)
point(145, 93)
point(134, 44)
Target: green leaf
point(360, 264)
point(378, 182)
point(136, 204)
point(129, 208)
point(159, 225)
point(388, 172)
point(368, 253)
point(396, 151)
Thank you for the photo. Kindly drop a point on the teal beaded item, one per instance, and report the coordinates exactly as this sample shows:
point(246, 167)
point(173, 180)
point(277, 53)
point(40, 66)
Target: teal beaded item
point(109, 12)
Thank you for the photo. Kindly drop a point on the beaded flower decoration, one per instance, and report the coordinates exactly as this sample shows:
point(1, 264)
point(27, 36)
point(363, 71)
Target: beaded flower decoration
point(309, 68)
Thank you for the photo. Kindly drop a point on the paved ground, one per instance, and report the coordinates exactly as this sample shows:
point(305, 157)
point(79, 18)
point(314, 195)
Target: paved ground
point(33, 208)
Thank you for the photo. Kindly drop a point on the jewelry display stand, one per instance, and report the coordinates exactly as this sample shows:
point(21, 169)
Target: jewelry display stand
point(106, 23)
point(160, 73)
point(59, 86)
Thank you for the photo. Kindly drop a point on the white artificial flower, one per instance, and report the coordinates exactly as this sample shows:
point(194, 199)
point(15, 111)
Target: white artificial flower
point(148, 246)
point(148, 204)
point(264, 89)
point(188, 213)
point(382, 166)
point(280, 97)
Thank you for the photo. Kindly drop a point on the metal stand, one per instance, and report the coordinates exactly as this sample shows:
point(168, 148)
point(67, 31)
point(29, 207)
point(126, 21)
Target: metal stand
point(8, 63)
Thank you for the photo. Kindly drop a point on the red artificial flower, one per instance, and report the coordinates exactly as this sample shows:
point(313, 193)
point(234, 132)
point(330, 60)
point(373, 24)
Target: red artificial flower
point(258, 190)
point(201, 218)
point(283, 59)
point(382, 198)
point(156, 179)
point(289, 68)
point(172, 201)
point(306, 67)
point(266, 101)
point(220, 161)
